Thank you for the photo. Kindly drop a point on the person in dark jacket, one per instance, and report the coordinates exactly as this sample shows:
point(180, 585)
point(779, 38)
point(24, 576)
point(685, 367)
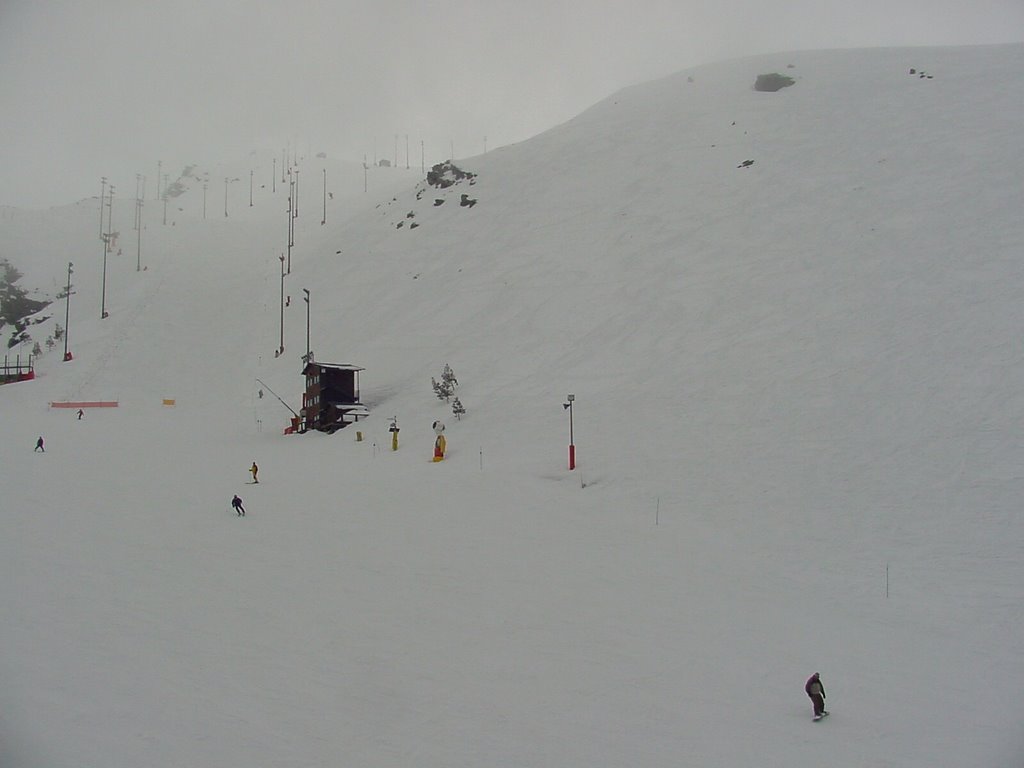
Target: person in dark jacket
point(39, 445)
point(237, 504)
point(816, 691)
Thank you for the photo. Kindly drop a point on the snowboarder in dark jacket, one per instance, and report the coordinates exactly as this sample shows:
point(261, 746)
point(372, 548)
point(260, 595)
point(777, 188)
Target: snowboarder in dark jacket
point(816, 691)
point(39, 445)
point(237, 504)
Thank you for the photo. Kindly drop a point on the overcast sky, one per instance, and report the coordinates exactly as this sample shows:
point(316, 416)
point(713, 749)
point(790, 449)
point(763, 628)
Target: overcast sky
point(92, 88)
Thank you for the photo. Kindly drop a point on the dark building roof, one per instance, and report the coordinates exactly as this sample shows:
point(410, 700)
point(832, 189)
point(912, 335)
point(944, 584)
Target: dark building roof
point(333, 366)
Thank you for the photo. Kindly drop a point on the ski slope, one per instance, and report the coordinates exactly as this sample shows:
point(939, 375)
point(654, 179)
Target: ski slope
point(798, 397)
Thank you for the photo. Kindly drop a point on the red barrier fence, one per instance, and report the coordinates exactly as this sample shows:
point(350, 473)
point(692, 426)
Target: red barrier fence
point(17, 371)
point(85, 404)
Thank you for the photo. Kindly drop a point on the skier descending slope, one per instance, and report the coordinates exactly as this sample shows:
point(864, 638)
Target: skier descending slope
point(816, 691)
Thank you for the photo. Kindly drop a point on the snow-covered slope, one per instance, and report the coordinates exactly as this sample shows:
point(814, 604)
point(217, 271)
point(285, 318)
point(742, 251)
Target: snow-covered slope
point(791, 323)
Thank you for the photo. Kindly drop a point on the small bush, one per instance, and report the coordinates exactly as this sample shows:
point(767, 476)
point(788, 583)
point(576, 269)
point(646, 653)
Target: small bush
point(445, 388)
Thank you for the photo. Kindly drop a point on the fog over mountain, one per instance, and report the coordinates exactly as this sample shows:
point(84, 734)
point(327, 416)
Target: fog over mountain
point(105, 88)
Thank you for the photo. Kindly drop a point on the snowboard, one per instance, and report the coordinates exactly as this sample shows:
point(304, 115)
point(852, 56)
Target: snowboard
point(816, 718)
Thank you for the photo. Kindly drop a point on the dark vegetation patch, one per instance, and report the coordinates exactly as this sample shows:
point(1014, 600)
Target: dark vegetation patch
point(16, 308)
point(772, 82)
point(443, 175)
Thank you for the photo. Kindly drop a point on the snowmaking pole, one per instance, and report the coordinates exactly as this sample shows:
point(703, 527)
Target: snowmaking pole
point(278, 397)
point(572, 443)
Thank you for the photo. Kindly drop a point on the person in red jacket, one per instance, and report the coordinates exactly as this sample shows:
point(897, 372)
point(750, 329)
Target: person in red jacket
point(816, 691)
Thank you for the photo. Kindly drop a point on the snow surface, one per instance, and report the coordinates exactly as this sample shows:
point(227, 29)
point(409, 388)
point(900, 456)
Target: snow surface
point(799, 395)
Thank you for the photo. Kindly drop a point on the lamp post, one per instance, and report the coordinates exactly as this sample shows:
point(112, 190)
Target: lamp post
point(138, 182)
point(103, 285)
point(138, 240)
point(250, 187)
point(306, 299)
point(106, 249)
point(110, 209)
point(67, 314)
point(572, 443)
point(291, 224)
point(280, 349)
point(103, 200)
